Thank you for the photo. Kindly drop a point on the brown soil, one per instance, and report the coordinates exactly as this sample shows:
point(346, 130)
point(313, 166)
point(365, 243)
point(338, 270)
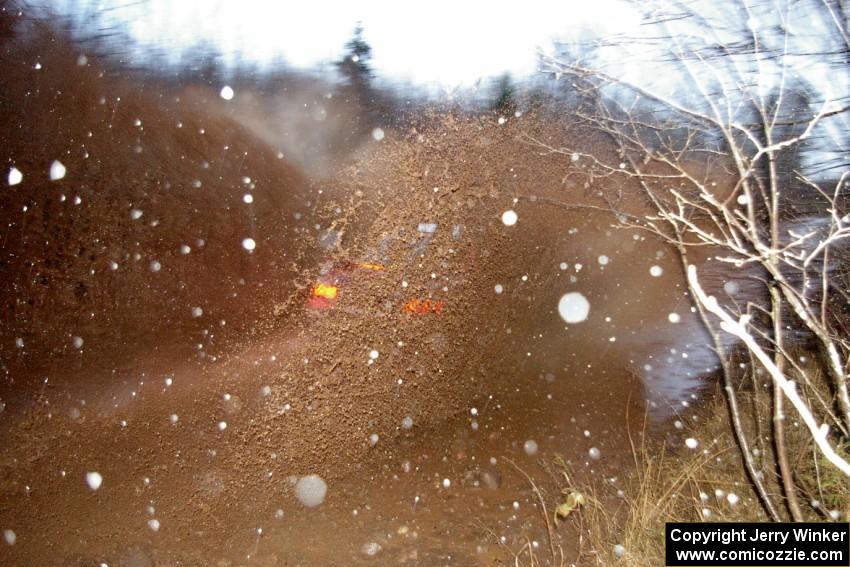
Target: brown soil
point(296, 388)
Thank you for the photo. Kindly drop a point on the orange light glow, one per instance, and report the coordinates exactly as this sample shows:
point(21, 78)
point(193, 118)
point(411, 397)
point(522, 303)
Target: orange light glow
point(326, 291)
point(423, 306)
point(375, 267)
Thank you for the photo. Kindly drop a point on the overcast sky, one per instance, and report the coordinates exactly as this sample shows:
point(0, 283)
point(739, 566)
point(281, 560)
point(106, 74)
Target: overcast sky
point(451, 42)
point(454, 43)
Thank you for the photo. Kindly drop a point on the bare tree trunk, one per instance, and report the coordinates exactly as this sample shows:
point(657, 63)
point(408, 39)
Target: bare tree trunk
point(731, 395)
point(779, 416)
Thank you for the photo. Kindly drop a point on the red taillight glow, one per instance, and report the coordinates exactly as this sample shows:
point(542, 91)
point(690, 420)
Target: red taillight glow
point(326, 291)
point(423, 306)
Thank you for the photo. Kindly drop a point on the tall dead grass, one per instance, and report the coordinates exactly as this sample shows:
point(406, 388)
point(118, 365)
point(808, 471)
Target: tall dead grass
point(674, 483)
point(624, 523)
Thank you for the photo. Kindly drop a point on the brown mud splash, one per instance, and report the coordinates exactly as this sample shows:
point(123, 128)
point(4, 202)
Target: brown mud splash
point(202, 425)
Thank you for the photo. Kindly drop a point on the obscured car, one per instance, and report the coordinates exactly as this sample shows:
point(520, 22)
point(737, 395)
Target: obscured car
point(385, 292)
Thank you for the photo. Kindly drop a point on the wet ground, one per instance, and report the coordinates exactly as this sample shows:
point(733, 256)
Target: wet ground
point(162, 411)
point(433, 494)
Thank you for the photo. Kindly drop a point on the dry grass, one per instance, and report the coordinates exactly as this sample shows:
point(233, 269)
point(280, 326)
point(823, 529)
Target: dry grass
point(624, 524)
point(707, 484)
point(681, 485)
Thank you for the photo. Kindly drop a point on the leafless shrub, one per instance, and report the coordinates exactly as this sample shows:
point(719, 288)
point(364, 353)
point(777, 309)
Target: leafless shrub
point(781, 213)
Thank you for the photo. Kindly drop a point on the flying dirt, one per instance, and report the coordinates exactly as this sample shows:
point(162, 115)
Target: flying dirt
point(212, 355)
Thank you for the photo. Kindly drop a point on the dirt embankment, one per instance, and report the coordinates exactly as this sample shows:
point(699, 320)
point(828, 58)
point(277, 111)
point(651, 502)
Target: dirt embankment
point(276, 391)
point(139, 242)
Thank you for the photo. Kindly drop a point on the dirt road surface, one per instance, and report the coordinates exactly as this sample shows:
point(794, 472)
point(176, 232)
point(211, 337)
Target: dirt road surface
point(166, 386)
